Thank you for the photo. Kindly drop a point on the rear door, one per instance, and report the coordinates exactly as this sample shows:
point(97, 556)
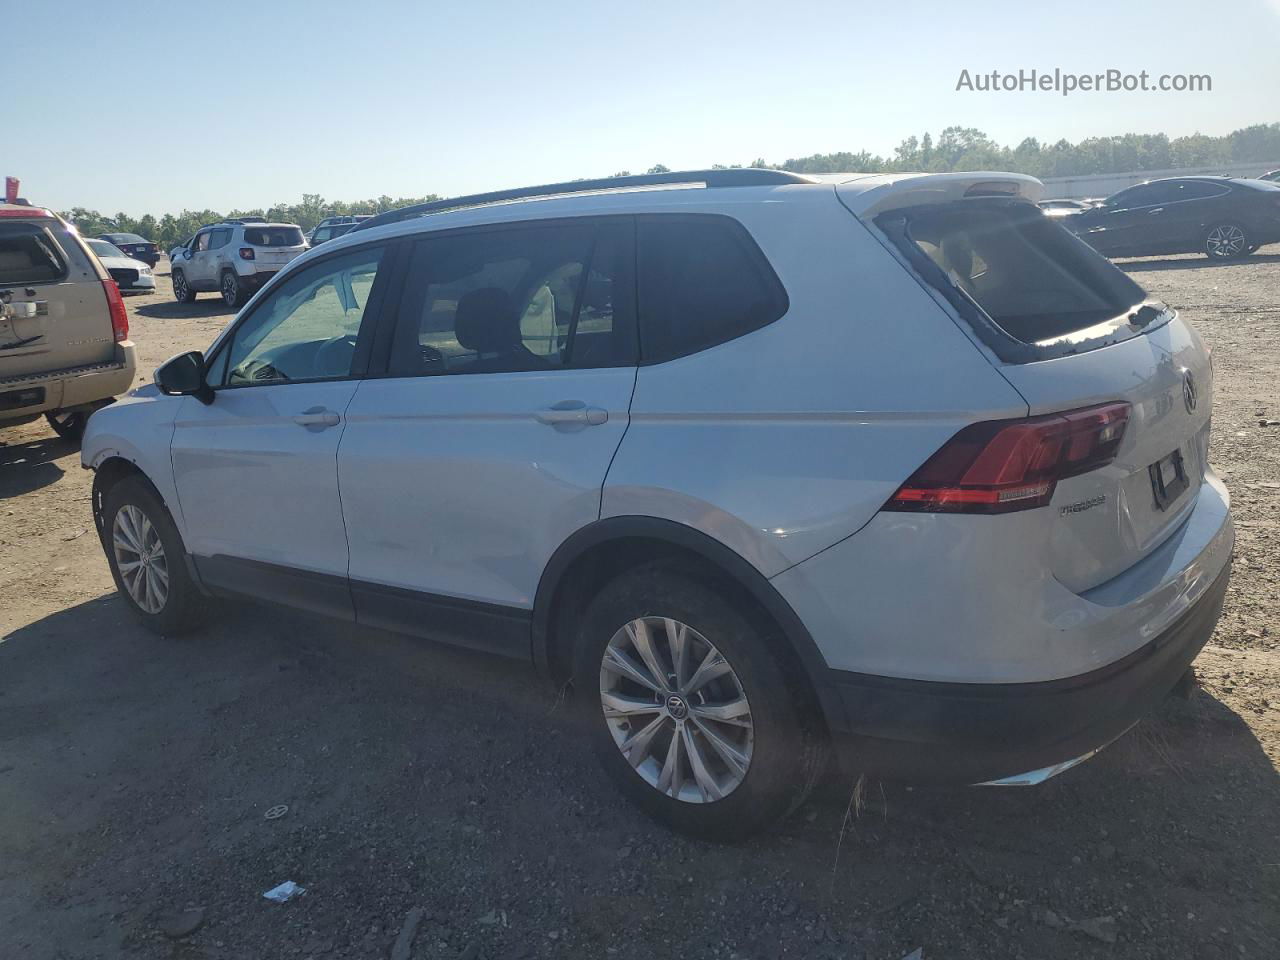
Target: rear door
point(42, 263)
point(487, 442)
point(1189, 213)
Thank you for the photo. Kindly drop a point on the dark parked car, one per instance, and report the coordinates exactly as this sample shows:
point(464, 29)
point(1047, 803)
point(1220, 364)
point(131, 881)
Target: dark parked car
point(1221, 217)
point(330, 228)
point(140, 248)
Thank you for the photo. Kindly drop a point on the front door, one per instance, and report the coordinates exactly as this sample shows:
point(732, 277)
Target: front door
point(509, 381)
point(256, 469)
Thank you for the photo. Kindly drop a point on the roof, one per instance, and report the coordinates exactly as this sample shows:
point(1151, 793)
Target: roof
point(686, 191)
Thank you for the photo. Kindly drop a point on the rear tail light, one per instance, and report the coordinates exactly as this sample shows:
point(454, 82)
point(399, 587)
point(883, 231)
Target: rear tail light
point(1004, 465)
point(246, 253)
point(119, 316)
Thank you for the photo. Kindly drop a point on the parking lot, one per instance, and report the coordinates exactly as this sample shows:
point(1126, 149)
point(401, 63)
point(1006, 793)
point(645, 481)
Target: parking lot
point(135, 773)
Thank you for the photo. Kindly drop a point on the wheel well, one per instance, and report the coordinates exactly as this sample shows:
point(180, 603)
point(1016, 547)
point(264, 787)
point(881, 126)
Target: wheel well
point(105, 476)
point(600, 563)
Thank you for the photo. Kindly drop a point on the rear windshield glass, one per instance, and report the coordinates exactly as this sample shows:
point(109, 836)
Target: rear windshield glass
point(1035, 280)
point(104, 249)
point(126, 238)
point(28, 254)
point(273, 236)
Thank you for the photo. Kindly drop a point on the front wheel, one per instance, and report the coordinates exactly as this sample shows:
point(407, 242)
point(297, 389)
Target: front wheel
point(148, 560)
point(68, 424)
point(1227, 241)
point(691, 711)
point(182, 290)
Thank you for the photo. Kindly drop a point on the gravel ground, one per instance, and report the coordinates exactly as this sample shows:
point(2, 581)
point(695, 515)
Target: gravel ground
point(429, 785)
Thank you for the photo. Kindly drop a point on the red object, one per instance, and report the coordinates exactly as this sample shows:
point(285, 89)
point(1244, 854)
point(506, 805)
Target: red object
point(119, 316)
point(246, 253)
point(999, 466)
point(26, 212)
point(10, 189)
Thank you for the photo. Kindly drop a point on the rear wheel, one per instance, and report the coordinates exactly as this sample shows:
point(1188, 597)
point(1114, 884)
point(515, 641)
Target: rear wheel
point(182, 291)
point(691, 712)
point(68, 424)
point(1227, 241)
point(148, 560)
point(233, 292)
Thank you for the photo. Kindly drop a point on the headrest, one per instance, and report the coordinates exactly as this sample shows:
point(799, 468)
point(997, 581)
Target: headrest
point(485, 321)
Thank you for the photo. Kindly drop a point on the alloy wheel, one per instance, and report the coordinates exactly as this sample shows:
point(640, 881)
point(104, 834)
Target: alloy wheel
point(1225, 241)
point(179, 286)
point(140, 558)
point(676, 710)
point(229, 290)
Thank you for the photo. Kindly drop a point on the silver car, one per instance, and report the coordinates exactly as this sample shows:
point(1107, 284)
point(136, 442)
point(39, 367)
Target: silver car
point(234, 258)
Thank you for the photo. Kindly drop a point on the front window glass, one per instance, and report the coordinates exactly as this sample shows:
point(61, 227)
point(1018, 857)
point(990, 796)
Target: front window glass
point(307, 327)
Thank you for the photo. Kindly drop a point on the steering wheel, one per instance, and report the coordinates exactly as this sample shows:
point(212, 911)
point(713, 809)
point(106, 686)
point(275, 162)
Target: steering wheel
point(334, 357)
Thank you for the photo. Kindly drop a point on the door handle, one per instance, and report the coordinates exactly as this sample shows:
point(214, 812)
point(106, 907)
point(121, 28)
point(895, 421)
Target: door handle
point(317, 417)
point(572, 412)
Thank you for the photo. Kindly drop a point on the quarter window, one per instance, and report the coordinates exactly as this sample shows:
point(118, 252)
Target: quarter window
point(307, 328)
point(702, 281)
point(517, 298)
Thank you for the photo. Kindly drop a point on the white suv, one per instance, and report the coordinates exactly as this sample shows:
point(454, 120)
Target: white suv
point(234, 258)
point(761, 464)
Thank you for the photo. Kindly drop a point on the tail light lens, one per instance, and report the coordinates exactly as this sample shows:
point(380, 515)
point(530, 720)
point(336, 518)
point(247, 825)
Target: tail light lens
point(246, 253)
point(119, 316)
point(1004, 465)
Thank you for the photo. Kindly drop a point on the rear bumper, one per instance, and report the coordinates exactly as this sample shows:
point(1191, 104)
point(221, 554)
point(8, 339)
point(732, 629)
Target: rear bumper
point(77, 386)
point(967, 733)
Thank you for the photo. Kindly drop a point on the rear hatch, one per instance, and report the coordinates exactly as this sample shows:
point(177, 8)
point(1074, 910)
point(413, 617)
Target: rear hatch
point(1069, 330)
point(275, 245)
point(41, 262)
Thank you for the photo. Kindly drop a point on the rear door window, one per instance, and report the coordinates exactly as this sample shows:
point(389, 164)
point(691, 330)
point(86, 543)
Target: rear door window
point(702, 281)
point(510, 299)
point(29, 254)
point(1030, 278)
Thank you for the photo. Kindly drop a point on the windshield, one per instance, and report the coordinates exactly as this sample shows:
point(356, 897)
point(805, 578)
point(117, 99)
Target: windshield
point(1033, 279)
point(273, 236)
point(104, 249)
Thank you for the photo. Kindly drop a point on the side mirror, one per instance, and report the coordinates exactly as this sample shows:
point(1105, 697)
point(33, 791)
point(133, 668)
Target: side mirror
point(184, 376)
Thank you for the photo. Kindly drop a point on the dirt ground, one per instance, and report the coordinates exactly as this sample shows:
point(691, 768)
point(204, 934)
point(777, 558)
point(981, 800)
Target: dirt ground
point(135, 772)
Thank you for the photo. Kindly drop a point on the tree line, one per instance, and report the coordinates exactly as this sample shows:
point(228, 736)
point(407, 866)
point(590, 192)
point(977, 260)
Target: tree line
point(956, 148)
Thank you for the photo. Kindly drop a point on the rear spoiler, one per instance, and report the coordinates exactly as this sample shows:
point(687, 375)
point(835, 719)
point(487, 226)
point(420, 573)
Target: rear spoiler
point(869, 196)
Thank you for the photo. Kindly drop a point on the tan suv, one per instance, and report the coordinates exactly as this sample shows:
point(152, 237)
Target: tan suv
point(64, 332)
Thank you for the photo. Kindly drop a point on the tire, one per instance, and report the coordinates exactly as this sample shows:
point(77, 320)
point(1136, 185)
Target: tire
point(133, 515)
point(1226, 241)
point(68, 424)
point(182, 291)
point(233, 291)
point(779, 736)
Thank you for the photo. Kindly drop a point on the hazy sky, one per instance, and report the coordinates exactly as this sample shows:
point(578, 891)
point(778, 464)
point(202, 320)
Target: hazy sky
point(159, 107)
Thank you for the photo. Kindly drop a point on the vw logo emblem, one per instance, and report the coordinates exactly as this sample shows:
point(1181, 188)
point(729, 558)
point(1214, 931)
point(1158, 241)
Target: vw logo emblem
point(1189, 396)
point(677, 707)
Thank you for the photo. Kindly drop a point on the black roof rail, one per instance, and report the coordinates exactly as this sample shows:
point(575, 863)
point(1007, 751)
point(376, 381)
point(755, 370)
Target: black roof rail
point(737, 177)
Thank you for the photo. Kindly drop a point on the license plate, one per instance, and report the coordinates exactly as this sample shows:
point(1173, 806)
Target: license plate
point(1168, 479)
